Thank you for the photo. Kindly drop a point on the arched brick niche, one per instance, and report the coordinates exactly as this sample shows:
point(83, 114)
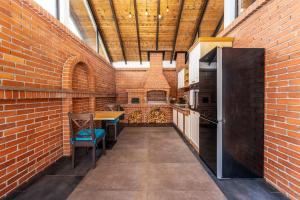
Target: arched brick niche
point(78, 77)
point(80, 82)
point(81, 68)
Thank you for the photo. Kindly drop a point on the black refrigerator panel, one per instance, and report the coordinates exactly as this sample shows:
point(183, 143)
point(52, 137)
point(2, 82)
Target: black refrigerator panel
point(208, 143)
point(208, 115)
point(242, 112)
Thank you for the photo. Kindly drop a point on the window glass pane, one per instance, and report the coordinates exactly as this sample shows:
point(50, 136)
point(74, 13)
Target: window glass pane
point(101, 47)
point(49, 5)
point(243, 5)
point(82, 19)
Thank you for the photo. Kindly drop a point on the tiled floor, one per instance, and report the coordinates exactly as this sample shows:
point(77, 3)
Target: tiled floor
point(148, 163)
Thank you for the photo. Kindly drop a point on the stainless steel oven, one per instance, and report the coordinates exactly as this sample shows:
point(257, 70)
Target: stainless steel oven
point(194, 99)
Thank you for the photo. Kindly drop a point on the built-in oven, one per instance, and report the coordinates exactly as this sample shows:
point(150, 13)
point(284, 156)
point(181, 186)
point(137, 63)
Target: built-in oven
point(194, 97)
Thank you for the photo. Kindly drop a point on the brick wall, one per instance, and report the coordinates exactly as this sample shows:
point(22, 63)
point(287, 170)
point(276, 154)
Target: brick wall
point(102, 102)
point(81, 105)
point(31, 138)
point(45, 72)
point(80, 77)
point(135, 78)
point(275, 26)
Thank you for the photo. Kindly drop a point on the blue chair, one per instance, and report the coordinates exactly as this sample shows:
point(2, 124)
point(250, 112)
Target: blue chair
point(83, 134)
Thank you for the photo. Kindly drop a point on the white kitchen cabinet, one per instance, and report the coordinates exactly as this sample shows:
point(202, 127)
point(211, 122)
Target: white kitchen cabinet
point(180, 121)
point(180, 79)
point(201, 47)
point(195, 128)
point(175, 117)
point(194, 56)
point(187, 126)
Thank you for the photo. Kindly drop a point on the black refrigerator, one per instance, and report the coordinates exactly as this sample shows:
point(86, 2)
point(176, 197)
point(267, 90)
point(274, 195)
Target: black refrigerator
point(231, 107)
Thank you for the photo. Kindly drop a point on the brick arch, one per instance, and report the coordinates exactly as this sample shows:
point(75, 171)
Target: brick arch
point(68, 70)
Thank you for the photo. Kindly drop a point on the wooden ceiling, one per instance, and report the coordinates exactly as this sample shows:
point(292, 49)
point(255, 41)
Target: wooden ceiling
point(129, 39)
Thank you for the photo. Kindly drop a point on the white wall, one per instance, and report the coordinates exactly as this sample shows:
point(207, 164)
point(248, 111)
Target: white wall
point(145, 64)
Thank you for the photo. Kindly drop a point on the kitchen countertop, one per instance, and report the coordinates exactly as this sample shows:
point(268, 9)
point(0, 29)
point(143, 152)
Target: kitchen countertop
point(179, 108)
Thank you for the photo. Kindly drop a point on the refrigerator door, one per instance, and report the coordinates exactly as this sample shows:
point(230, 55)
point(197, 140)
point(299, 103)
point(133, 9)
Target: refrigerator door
point(208, 143)
point(242, 106)
point(208, 116)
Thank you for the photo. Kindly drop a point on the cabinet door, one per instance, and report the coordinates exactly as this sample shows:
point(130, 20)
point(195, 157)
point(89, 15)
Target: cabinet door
point(187, 126)
point(175, 117)
point(194, 57)
point(180, 121)
point(195, 128)
point(181, 79)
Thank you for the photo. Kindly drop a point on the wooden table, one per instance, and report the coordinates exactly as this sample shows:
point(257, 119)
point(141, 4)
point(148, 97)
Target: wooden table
point(105, 116)
point(108, 115)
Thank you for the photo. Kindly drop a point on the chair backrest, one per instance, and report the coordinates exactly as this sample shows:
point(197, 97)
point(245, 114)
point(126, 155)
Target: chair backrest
point(81, 121)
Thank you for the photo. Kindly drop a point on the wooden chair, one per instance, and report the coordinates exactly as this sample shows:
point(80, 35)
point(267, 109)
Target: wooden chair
point(83, 134)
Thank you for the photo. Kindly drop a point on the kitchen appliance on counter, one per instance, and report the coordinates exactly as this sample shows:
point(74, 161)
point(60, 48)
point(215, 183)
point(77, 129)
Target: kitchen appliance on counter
point(193, 98)
point(231, 107)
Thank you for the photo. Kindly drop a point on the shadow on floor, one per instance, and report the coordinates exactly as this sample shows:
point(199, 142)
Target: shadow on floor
point(58, 180)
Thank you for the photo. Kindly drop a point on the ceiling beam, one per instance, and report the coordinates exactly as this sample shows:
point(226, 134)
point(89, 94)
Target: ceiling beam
point(177, 29)
point(115, 19)
point(94, 15)
point(157, 23)
point(199, 20)
point(219, 25)
point(137, 29)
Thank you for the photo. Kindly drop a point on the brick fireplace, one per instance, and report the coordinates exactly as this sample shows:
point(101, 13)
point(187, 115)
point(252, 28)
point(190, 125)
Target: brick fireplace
point(151, 99)
point(156, 89)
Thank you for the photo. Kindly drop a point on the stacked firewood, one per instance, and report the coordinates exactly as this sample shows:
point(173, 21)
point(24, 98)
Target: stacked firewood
point(135, 117)
point(156, 116)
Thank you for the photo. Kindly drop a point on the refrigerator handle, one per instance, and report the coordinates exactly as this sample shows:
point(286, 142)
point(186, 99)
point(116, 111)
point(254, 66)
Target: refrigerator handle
point(222, 120)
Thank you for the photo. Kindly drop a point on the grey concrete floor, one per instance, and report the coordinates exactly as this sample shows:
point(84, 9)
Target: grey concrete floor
point(148, 163)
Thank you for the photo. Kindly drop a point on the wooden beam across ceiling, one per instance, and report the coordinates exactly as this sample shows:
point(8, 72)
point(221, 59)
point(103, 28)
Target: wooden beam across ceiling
point(177, 29)
point(219, 25)
point(94, 15)
point(199, 20)
point(115, 19)
point(137, 29)
point(157, 23)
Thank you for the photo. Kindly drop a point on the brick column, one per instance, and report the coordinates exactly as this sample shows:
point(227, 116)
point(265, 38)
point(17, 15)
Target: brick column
point(92, 104)
point(180, 64)
point(67, 107)
point(180, 61)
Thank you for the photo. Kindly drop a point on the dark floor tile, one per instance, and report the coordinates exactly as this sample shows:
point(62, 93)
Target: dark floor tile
point(249, 189)
point(49, 188)
point(82, 166)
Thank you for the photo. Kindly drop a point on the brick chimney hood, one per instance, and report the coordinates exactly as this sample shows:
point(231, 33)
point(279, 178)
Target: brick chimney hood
point(155, 79)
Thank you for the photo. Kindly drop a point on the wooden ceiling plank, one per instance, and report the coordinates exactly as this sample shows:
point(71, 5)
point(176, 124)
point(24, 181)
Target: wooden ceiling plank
point(94, 15)
point(199, 20)
point(116, 22)
point(219, 25)
point(137, 29)
point(177, 29)
point(157, 23)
